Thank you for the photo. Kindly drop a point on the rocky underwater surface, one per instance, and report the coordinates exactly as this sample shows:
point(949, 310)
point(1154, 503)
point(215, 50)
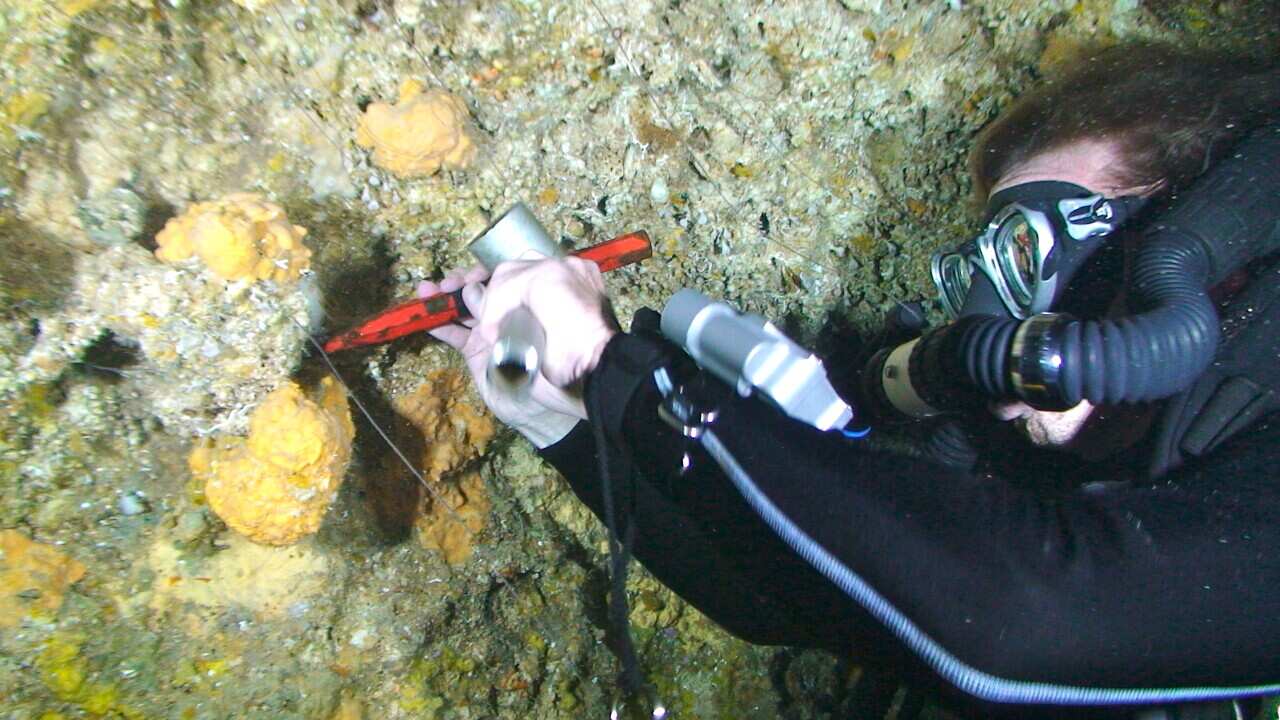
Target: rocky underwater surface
point(196, 523)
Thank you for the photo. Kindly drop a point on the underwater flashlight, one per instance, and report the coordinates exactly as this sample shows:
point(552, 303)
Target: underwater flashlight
point(749, 353)
point(514, 360)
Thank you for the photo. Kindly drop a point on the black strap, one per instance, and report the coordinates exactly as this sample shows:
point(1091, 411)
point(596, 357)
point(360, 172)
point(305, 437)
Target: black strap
point(617, 476)
point(630, 679)
point(1235, 405)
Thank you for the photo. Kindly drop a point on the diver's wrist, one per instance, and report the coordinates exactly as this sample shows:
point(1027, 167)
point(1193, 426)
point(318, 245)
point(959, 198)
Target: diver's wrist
point(599, 342)
point(548, 431)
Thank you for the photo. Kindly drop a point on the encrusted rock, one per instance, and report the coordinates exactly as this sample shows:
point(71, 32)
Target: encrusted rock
point(114, 217)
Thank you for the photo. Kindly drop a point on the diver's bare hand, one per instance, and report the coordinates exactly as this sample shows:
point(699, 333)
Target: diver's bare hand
point(455, 335)
point(547, 413)
point(565, 295)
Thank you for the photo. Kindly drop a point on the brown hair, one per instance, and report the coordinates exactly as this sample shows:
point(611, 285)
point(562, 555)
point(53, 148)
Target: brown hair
point(1172, 111)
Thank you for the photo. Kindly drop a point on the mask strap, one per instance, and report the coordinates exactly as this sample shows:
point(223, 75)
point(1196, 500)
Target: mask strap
point(1128, 206)
point(1038, 190)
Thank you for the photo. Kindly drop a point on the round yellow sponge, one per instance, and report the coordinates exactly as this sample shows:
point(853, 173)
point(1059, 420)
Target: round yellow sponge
point(241, 236)
point(423, 132)
point(275, 486)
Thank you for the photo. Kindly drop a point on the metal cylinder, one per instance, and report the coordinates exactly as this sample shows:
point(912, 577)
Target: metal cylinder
point(748, 353)
point(515, 235)
point(515, 359)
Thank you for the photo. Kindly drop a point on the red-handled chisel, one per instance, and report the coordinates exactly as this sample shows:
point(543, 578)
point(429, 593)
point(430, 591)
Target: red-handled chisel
point(421, 314)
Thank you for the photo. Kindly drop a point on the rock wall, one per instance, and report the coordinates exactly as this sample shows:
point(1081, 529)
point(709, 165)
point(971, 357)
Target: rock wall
point(800, 159)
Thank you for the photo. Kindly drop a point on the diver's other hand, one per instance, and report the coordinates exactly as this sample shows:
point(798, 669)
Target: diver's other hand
point(545, 414)
point(565, 295)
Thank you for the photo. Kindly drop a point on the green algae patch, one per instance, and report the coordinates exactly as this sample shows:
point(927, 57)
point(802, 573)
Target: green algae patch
point(864, 244)
point(19, 114)
point(75, 7)
point(65, 672)
point(61, 668)
point(189, 673)
point(416, 701)
point(566, 697)
point(416, 696)
point(34, 409)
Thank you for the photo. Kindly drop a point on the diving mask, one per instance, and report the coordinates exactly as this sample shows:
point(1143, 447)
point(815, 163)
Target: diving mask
point(1037, 236)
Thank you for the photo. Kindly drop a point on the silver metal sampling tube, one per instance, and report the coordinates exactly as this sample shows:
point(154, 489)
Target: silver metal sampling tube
point(515, 235)
point(515, 359)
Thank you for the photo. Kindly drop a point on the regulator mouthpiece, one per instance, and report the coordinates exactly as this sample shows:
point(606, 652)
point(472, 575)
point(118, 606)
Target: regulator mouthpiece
point(749, 353)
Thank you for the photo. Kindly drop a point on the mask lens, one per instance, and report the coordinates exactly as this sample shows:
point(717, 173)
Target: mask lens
point(951, 275)
point(1016, 247)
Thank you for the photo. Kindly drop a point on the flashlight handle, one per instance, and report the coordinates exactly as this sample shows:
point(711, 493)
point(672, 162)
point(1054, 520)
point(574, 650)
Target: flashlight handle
point(429, 313)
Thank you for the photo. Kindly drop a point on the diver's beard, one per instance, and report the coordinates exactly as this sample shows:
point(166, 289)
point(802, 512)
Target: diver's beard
point(1037, 434)
point(1054, 429)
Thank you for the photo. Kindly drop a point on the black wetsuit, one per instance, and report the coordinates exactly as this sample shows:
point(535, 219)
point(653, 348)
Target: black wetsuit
point(1108, 579)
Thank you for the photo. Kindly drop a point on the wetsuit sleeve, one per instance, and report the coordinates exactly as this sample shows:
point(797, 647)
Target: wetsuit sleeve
point(1123, 583)
point(696, 534)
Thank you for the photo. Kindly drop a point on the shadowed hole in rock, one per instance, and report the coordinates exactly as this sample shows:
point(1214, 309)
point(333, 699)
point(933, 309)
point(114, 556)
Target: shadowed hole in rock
point(109, 358)
point(158, 213)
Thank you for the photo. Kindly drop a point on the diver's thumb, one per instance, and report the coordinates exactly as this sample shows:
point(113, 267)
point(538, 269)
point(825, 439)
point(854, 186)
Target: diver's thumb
point(473, 297)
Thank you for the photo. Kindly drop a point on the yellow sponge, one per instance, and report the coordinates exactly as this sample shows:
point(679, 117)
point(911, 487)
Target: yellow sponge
point(241, 236)
point(421, 133)
point(275, 486)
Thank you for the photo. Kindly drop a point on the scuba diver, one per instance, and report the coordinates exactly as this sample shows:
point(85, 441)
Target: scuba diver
point(1120, 306)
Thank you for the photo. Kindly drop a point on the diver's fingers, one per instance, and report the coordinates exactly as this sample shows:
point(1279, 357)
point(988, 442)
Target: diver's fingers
point(473, 296)
point(466, 276)
point(453, 280)
point(589, 272)
point(427, 288)
point(505, 292)
point(475, 274)
point(472, 300)
point(455, 336)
